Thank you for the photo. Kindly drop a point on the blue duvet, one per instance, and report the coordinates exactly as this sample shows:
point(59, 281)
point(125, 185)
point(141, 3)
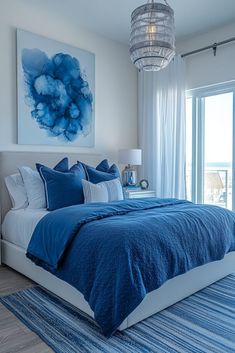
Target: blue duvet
point(115, 253)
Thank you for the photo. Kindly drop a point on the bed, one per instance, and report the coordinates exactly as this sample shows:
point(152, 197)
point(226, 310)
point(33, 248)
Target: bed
point(13, 252)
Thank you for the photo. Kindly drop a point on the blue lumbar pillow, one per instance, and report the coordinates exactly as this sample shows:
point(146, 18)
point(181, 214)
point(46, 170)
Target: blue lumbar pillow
point(63, 188)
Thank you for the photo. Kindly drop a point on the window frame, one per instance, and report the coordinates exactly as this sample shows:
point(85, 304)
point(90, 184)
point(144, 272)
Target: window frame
point(198, 136)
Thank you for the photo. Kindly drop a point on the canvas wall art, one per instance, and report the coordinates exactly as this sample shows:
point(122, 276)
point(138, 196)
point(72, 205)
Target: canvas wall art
point(56, 92)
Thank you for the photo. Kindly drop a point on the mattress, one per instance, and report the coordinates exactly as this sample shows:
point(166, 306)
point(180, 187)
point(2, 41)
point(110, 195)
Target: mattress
point(18, 226)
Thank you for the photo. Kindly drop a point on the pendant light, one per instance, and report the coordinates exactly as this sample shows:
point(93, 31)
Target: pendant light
point(152, 39)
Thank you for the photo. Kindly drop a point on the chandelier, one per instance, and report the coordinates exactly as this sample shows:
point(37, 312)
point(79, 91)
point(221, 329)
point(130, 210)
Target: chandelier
point(152, 39)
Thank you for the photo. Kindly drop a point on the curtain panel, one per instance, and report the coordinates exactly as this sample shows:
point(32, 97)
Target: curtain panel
point(162, 128)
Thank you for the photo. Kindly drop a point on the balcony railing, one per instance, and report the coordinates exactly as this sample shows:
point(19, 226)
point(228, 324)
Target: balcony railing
point(217, 185)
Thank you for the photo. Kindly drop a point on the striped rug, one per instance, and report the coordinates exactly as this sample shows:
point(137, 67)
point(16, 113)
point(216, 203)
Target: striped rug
point(204, 322)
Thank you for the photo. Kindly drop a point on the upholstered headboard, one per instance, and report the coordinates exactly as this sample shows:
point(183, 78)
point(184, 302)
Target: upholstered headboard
point(10, 161)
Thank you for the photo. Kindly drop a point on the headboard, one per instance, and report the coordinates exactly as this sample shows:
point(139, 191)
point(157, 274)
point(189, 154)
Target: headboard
point(10, 161)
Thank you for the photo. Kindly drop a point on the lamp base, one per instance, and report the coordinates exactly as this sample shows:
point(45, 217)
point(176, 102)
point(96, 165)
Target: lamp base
point(129, 176)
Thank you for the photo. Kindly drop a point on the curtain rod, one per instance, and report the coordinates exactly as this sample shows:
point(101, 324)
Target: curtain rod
point(212, 46)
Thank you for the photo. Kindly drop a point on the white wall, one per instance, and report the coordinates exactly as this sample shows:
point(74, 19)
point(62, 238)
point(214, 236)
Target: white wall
point(116, 77)
point(204, 69)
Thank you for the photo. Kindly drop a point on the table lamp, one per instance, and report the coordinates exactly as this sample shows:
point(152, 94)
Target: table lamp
point(131, 157)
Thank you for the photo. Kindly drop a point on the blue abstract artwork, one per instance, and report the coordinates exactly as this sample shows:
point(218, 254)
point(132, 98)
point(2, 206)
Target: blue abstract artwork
point(55, 92)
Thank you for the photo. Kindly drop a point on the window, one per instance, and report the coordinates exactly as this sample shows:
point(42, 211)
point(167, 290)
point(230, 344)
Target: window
point(210, 114)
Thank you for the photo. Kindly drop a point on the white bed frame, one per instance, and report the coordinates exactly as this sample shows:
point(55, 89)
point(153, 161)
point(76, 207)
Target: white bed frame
point(171, 292)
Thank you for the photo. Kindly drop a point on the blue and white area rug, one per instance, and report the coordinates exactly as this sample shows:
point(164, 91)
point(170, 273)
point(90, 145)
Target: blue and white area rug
point(204, 322)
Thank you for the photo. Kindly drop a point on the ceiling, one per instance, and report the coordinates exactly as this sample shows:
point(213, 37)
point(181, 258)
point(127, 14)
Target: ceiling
point(111, 18)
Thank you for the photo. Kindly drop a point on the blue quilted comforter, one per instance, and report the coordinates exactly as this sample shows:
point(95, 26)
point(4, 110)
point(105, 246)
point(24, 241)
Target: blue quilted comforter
point(115, 253)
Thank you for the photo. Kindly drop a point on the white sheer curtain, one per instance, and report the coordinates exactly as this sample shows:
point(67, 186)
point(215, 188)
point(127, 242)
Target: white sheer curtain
point(162, 129)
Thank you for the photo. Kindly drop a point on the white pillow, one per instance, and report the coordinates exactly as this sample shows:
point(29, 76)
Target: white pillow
point(34, 187)
point(17, 191)
point(105, 191)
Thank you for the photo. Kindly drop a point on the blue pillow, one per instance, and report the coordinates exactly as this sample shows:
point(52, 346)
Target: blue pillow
point(63, 189)
point(62, 166)
point(103, 166)
point(96, 176)
point(114, 170)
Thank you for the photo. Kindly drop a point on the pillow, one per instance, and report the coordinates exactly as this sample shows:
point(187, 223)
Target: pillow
point(34, 185)
point(114, 170)
point(103, 166)
point(96, 176)
point(63, 189)
point(105, 191)
point(17, 191)
point(62, 166)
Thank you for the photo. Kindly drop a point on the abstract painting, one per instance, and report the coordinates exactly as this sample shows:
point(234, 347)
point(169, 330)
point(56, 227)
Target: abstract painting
point(56, 88)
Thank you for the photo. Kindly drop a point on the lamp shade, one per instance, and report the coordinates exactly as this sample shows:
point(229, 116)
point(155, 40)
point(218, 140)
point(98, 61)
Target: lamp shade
point(130, 156)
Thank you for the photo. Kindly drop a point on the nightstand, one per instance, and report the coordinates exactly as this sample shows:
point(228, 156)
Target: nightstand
point(135, 194)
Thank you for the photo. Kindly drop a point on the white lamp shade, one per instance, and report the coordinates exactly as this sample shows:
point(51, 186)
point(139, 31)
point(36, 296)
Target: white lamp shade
point(130, 156)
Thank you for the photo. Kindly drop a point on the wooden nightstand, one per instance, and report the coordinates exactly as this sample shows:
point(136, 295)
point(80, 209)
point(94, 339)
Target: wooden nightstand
point(135, 194)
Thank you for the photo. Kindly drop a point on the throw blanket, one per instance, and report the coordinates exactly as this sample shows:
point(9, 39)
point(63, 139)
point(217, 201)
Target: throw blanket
point(115, 253)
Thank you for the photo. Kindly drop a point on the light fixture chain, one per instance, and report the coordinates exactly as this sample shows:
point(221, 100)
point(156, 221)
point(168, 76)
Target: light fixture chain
point(152, 2)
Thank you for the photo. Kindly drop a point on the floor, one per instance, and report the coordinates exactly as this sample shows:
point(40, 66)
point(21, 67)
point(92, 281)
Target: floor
point(14, 336)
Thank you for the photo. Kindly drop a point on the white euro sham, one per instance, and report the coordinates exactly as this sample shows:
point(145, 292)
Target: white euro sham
point(17, 191)
point(34, 187)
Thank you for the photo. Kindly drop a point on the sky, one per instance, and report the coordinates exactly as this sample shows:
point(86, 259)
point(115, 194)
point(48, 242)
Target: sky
point(218, 128)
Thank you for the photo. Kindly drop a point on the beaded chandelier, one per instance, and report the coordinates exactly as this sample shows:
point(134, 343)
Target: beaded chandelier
point(152, 39)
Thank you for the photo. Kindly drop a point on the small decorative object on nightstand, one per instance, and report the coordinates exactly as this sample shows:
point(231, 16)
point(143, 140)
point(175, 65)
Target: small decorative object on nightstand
point(144, 184)
point(135, 193)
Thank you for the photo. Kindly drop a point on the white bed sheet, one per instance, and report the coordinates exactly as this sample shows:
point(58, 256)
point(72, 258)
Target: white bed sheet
point(18, 225)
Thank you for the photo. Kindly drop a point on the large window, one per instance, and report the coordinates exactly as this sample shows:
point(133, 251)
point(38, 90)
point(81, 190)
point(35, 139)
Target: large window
point(210, 145)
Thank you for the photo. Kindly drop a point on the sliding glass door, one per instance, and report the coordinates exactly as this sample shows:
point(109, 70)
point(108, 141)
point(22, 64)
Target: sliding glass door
point(210, 145)
point(218, 150)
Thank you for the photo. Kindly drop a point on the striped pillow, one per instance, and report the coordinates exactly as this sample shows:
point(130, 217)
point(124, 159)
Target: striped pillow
point(106, 191)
